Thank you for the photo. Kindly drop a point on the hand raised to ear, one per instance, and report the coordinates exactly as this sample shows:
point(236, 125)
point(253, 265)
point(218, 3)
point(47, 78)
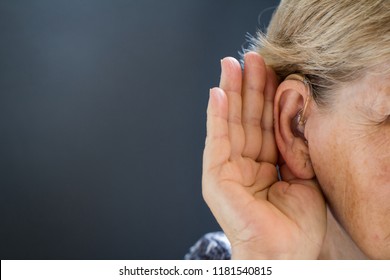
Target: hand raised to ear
point(262, 217)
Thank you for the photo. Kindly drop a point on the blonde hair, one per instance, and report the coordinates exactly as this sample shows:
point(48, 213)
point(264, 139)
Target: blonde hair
point(331, 42)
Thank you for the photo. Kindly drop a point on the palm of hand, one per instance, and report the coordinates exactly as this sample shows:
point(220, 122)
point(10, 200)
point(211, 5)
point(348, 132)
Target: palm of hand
point(261, 216)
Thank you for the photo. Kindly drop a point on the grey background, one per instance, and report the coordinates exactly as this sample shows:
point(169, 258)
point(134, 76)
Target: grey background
point(102, 123)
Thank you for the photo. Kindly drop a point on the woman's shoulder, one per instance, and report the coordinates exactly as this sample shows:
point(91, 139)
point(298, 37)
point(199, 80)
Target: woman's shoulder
point(211, 246)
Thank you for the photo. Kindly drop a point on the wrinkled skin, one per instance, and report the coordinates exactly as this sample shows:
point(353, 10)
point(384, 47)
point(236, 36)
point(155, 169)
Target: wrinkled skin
point(347, 149)
point(350, 152)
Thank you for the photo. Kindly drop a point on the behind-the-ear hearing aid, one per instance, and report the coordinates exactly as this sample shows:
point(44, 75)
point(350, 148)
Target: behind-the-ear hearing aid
point(299, 121)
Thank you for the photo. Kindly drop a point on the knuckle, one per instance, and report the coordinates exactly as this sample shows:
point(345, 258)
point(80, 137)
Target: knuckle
point(253, 121)
point(235, 119)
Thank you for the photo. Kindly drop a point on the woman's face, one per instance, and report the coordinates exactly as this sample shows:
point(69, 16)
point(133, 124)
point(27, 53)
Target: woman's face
point(350, 151)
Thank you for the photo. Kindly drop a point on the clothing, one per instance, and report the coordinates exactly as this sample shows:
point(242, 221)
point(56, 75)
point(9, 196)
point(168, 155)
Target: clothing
point(211, 246)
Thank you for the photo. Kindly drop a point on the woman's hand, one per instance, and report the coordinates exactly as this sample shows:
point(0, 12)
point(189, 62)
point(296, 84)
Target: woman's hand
point(263, 218)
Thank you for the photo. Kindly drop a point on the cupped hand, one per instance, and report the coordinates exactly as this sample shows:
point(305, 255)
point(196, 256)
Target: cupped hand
point(263, 217)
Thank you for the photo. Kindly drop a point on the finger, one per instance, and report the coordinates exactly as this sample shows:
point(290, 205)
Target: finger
point(217, 149)
point(231, 80)
point(269, 151)
point(255, 75)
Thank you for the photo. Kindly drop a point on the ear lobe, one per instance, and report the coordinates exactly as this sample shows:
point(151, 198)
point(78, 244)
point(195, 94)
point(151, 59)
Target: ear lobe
point(290, 99)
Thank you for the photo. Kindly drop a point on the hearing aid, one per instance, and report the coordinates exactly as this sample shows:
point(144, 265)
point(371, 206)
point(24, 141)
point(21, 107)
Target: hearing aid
point(298, 125)
point(299, 121)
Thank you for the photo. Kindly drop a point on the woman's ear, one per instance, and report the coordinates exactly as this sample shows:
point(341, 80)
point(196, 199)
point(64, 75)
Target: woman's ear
point(290, 112)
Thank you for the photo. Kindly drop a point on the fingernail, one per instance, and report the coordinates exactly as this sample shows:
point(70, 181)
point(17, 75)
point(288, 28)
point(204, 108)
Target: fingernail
point(217, 93)
point(212, 91)
point(222, 68)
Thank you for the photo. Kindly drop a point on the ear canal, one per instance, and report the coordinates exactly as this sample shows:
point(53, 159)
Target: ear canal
point(298, 126)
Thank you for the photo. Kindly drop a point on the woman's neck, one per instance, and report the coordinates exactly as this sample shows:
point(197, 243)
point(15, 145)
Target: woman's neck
point(338, 245)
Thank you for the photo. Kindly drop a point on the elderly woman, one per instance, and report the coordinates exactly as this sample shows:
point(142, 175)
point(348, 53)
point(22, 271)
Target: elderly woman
point(297, 156)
